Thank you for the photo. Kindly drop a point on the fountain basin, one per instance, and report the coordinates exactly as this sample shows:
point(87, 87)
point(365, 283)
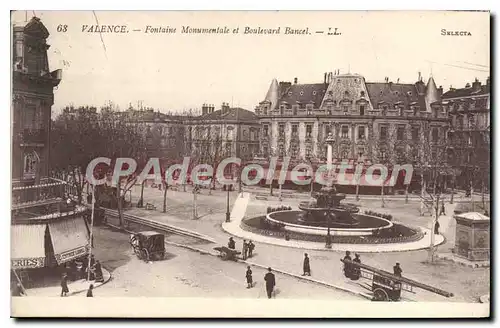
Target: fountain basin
point(293, 221)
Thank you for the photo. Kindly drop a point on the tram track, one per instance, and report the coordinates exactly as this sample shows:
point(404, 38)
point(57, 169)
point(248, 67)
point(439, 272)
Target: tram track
point(160, 226)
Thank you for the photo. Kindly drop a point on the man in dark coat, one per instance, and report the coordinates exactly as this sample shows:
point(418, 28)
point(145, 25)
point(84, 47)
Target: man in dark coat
point(347, 266)
point(442, 212)
point(98, 272)
point(18, 290)
point(270, 282)
point(244, 251)
point(249, 277)
point(90, 291)
point(356, 271)
point(306, 266)
point(397, 270)
point(231, 244)
point(436, 228)
point(251, 247)
point(64, 285)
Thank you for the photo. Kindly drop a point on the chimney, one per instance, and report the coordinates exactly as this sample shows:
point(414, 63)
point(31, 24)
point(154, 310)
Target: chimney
point(452, 88)
point(204, 109)
point(476, 86)
point(295, 80)
point(419, 76)
point(440, 90)
point(467, 85)
point(488, 81)
point(324, 79)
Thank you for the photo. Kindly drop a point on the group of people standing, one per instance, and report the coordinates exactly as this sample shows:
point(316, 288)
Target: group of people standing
point(352, 272)
point(247, 249)
point(79, 270)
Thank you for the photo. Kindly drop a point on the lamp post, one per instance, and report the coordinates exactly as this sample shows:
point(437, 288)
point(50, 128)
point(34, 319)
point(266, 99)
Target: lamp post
point(228, 215)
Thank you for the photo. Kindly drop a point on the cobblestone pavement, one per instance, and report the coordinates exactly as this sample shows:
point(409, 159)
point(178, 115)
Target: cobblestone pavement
point(185, 273)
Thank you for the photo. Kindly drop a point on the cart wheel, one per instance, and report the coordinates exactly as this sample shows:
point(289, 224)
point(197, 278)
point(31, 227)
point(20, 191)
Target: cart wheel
point(145, 254)
point(380, 295)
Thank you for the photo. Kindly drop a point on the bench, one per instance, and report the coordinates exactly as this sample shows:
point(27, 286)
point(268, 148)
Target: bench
point(226, 253)
point(150, 207)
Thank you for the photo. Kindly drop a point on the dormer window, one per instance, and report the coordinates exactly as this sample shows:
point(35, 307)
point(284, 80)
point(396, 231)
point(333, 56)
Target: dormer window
point(289, 93)
point(314, 93)
point(346, 93)
point(362, 93)
point(301, 93)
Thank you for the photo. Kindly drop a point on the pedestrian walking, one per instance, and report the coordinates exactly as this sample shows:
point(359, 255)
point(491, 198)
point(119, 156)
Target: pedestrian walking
point(443, 212)
point(64, 285)
point(244, 251)
point(356, 270)
point(436, 228)
point(347, 266)
point(231, 244)
point(18, 290)
point(251, 247)
point(90, 292)
point(98, 272)
point(306, 265)
point(249, 277)
point(397, 270)
point(270, 282)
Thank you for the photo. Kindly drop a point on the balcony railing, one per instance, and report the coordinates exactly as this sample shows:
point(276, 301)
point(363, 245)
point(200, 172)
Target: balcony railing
point(33, 136)
point(48, 191)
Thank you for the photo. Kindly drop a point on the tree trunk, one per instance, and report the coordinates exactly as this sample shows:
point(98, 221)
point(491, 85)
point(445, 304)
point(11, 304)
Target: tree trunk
point(382, 196)
point(422, 194)
point(271, 189)
point(280, 198)
point(482, 194)
point(184, 187)
point(119, 203)
point(453, 181)
point(472, 195)
point(195, 210)
point(141, 200)
point(357, 191)
point(434, 219)
point(406, 193)
point(312, 189)
point(165, 188)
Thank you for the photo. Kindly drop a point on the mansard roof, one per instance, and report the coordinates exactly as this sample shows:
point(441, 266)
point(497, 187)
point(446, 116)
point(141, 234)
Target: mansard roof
point(467, 92)
point(392, 93)
point(303, 93)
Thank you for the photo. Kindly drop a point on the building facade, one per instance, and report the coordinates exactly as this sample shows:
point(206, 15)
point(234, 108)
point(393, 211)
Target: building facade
point(227, 132)
point(469, 135)
point(370, 121)
point(47, 228)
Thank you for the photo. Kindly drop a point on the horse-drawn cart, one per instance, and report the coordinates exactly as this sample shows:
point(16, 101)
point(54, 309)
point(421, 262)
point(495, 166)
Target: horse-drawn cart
point(227, 253)
point(148, 245)
point(386, 286)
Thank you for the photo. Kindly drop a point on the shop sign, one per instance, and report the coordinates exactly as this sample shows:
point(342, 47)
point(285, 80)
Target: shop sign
point(72, 254)
point(36, 262)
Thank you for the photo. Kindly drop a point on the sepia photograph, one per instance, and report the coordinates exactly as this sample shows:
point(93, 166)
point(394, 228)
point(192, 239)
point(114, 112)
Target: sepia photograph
point(250, 164)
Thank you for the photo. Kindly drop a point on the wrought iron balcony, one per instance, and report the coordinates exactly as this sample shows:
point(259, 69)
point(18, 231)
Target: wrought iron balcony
point(47, 192)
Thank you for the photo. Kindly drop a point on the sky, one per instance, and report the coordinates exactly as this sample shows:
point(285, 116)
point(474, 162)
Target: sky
point(180, 71)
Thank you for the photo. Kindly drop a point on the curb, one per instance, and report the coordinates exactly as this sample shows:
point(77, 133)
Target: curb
point(95, 286)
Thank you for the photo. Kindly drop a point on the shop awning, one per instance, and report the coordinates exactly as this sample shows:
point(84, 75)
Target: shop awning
point(70, 239)
point(27, 246)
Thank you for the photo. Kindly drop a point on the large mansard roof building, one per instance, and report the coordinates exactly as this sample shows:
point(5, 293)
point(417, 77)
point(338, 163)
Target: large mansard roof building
point(371, 121)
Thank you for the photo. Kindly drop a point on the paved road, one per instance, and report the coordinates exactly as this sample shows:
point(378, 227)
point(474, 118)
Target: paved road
point(466, 283)
point(186, 273)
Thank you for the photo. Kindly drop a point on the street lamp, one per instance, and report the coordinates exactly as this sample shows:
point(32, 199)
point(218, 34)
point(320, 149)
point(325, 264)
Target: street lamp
point(228, 215)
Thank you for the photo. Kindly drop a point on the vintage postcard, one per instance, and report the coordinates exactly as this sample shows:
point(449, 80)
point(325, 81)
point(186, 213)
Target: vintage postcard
point(250, 164)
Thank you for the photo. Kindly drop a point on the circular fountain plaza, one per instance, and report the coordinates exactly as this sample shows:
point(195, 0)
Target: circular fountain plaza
point(329, 224)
